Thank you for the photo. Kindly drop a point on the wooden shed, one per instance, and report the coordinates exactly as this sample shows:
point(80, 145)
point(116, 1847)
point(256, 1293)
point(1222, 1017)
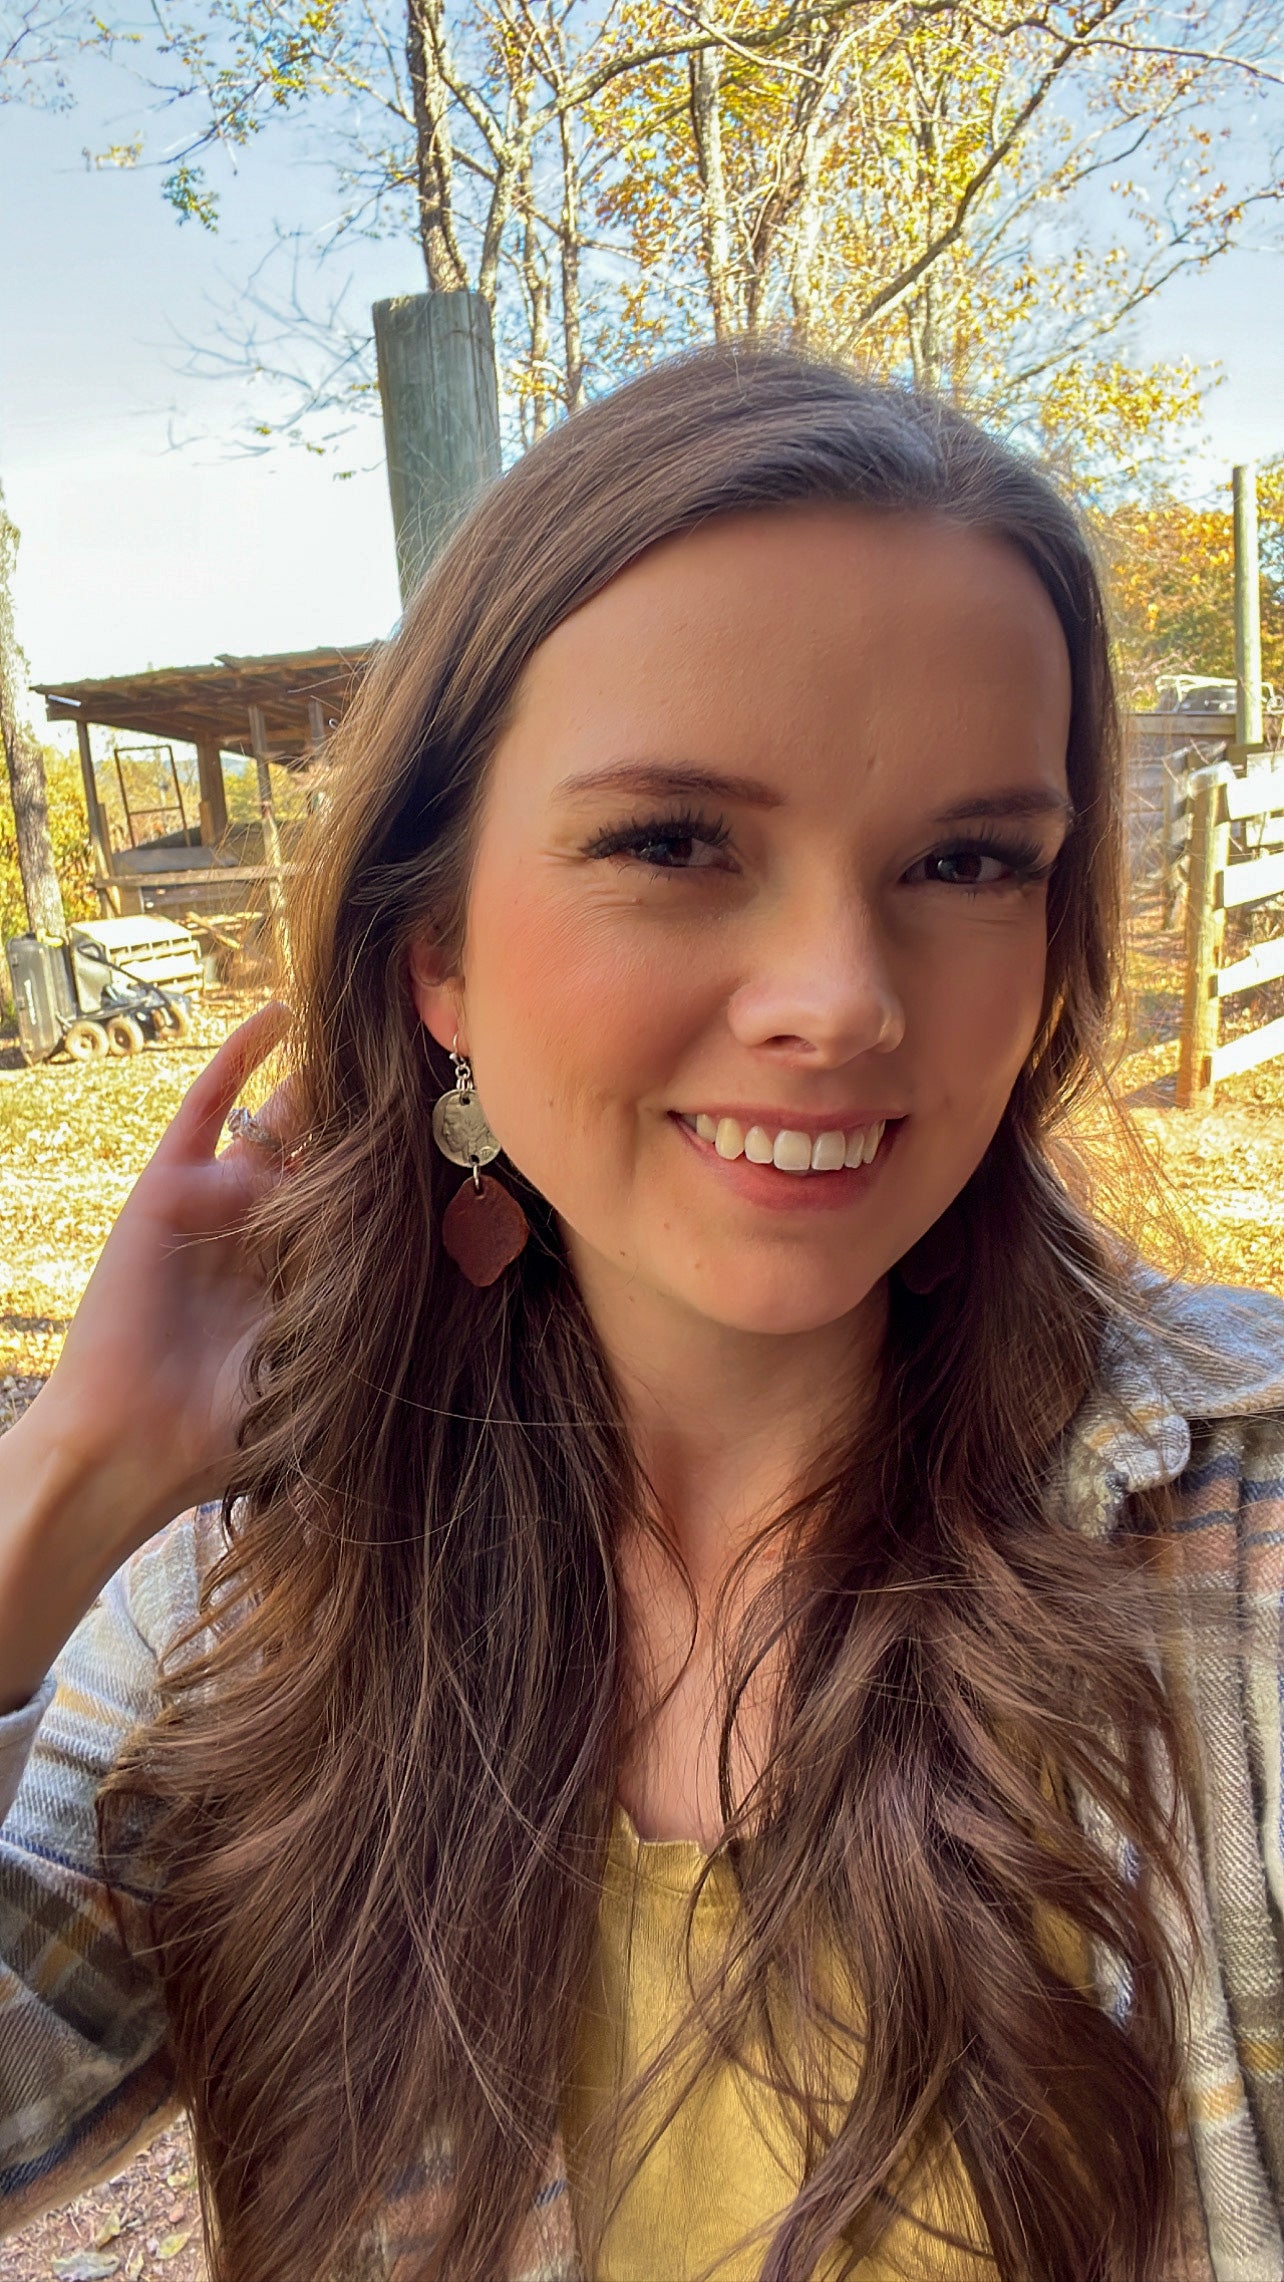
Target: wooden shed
point(277, 711)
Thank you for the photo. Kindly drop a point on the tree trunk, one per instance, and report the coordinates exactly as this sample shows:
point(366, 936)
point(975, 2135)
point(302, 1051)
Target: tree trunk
point(508, 169)
point(929, 340)
point(925, 348)
point(816, 139)
point(569, 234)
point(537, 408)
point(805, 251)
point(25, 762)
point(434, 152)
point(706, 125)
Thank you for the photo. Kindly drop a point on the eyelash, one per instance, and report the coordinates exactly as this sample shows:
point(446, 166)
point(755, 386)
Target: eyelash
point(1021, 856)
point(644, 832)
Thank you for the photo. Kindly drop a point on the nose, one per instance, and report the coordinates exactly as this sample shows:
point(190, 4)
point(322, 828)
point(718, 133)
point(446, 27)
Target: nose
point(819, 987)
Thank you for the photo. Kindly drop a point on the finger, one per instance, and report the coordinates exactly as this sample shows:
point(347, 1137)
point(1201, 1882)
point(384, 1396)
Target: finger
point(282, 1113)
point(196, 1128)
point(251, 1131)
point(267, 1140)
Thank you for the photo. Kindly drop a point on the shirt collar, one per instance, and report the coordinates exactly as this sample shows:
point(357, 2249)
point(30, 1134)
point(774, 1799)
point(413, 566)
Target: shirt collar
point(1204, 1352)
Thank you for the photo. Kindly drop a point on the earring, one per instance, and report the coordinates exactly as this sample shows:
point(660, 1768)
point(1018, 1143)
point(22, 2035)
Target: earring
point(483, 1228)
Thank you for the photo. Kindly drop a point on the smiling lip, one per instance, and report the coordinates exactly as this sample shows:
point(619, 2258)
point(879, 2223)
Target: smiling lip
point(780, 1191)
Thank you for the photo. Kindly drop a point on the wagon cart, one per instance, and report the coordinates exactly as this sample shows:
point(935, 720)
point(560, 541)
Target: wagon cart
point(106, 989)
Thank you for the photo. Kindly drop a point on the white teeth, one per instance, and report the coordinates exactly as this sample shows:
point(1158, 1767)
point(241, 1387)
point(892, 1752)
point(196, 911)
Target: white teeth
point(862, 1147)
point(827, 1152)
point(791, 1152)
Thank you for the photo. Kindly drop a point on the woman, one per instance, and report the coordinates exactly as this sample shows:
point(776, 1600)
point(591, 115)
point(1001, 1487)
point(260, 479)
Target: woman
point(731, 1726)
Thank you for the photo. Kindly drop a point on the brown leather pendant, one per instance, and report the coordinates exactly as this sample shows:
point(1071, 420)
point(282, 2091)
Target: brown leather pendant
point(483, 1228)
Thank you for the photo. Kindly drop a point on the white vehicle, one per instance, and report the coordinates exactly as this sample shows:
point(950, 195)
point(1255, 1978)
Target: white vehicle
point(1205, 693)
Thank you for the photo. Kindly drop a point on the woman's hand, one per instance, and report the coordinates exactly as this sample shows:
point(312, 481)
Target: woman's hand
point(138, 1418)
point(146, 1397)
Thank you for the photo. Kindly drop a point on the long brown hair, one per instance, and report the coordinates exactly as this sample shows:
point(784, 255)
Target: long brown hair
point(380, 1787)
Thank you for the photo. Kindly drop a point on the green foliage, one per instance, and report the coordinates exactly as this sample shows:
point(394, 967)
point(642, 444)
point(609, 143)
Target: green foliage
point(241, 786)
point(187, 192)
point(1171, 578)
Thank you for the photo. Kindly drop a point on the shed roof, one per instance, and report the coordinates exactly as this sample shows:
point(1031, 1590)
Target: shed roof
point(193, 704)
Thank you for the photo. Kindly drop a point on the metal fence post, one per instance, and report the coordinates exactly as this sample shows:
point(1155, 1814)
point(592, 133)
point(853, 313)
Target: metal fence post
point(1205, 926)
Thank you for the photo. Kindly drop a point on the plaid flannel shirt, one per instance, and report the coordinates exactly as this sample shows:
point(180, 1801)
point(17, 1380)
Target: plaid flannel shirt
point(85, 2075)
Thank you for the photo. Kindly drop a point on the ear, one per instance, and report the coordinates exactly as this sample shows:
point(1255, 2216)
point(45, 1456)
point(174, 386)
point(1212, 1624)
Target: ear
point(438, 996)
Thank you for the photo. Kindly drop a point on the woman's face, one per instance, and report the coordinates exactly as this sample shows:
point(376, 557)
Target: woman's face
point(760, 884)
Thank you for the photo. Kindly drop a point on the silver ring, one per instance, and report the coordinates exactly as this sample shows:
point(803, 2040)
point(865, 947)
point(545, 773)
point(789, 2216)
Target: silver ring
point(244, 1126)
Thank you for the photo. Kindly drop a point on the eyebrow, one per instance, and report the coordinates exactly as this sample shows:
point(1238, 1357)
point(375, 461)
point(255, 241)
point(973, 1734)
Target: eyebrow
point(665, 779)
point(1025, 800)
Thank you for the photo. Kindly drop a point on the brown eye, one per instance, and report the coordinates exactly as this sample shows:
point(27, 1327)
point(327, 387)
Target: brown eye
point(672, 852)
point(964, 869)
point(679, 843)
point(977, 864)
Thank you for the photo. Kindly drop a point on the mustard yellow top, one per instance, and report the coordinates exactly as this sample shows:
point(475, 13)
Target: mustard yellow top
point(706, 2198)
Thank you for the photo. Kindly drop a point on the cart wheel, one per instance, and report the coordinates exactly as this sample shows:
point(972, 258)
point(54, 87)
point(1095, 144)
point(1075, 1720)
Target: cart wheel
point(175, 1018)
point(125, 1035)
point(85, 1041)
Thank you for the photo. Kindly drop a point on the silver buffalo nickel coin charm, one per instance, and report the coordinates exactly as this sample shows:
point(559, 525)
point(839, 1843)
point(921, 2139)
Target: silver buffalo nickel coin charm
point(460, 1130)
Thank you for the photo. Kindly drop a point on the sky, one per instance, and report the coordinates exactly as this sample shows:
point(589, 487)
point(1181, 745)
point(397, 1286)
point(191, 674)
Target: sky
point(149, 539)
point(137, 549)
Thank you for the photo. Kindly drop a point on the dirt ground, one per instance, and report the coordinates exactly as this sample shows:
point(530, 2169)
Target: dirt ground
point(73, 1137)
point(141, 2224)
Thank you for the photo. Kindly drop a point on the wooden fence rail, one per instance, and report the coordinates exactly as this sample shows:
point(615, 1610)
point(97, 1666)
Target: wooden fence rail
point(1223, 878)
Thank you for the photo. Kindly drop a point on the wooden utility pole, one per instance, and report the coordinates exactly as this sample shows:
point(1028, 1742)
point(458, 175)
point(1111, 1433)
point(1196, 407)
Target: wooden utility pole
point(440, 401)
point(1248, 609)
point(24, 762)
